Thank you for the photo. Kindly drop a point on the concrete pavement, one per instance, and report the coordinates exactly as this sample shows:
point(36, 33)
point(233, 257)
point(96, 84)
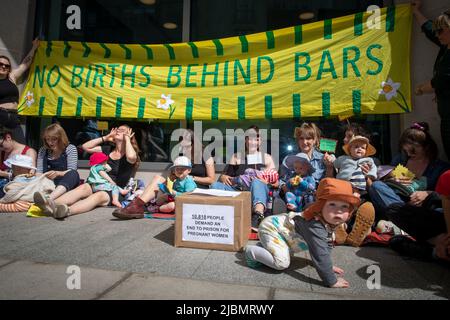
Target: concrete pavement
point(137, 260)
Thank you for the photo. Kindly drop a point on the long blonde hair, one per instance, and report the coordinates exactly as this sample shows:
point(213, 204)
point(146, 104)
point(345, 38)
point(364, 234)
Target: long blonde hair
point(55, 130)
point(310, 130)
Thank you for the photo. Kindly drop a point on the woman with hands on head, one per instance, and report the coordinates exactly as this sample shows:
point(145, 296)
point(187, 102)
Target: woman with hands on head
point(123, 160)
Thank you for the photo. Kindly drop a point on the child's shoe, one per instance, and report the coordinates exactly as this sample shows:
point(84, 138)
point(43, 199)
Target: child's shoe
point(252, 263)
point(341, 234)
point(365, 217)
point(388, 227)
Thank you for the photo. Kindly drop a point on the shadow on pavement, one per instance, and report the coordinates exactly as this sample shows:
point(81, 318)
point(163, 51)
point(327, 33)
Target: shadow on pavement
point(407, 273)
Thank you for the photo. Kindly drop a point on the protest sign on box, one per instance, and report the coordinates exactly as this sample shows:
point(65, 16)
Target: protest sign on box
point(212, 222)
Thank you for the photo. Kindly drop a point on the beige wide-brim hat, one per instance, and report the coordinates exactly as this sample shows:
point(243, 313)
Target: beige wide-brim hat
point(370, 148)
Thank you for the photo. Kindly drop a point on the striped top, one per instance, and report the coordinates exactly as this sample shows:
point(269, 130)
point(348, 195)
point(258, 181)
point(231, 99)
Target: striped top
point(72, 158)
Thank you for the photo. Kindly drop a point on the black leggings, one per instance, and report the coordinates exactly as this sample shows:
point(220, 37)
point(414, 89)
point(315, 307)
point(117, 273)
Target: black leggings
point(70, 180)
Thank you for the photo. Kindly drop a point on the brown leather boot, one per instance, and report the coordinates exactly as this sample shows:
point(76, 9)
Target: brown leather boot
point(135, 210)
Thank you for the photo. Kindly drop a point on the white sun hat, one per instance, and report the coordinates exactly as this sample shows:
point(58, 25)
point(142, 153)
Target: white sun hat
point(181, 162)
point(20, 160)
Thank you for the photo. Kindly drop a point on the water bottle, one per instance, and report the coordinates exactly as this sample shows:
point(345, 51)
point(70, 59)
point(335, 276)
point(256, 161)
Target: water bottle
point(269, 209)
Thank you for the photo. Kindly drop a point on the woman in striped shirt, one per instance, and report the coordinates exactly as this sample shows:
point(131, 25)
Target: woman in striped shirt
point(58, 160)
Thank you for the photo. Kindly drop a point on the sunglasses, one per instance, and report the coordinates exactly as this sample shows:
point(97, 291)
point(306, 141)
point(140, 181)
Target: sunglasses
point(5, 66)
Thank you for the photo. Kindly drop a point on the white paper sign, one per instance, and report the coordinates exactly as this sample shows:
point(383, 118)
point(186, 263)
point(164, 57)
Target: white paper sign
point(255, 158)
point(216, 192)
point(208, 223)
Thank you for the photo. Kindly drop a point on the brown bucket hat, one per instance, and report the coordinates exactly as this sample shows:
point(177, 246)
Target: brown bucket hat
point(331, 189)
point(370, 148)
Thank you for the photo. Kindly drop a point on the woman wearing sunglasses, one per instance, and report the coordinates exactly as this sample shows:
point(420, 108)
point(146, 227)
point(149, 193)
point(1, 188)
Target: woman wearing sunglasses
point(9, 93)
point(438, 31)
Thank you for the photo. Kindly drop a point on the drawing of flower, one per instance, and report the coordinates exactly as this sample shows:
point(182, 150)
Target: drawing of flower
point(390, 89)
point(165, 103)
point(29, 100)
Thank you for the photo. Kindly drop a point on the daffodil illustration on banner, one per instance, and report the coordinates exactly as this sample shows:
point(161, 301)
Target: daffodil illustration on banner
point(341, 67)
point(390, 89)
point(165, 103)
point(29, 100)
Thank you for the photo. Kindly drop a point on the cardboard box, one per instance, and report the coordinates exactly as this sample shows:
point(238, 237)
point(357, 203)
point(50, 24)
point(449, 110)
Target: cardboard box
point(211, 222)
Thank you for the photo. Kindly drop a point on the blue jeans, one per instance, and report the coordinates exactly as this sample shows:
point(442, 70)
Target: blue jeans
point(259, 191)
point(382, 196)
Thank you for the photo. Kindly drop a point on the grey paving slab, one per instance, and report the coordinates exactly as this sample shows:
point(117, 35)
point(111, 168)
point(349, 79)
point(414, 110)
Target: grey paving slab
point(332, 294)
point(141, 286)
point(4, 262)
point(154, 252)
point(231, 267)
point(398, 280)
point(31, 280)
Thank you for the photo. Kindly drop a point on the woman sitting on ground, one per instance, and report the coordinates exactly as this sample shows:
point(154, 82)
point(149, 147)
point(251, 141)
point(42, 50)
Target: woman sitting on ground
point(254, 159)
point(58, 161)
point(203, 174)
point(124, 161)
point(420, 156)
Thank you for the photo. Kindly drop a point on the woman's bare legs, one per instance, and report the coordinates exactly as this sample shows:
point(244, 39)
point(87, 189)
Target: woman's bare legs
point(98, 199)
point(80, 192)
point(167, 208)
point(150, 191)
point(57, 192)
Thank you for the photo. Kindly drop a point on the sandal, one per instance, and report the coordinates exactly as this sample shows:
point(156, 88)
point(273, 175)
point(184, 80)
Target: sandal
point(365, 217)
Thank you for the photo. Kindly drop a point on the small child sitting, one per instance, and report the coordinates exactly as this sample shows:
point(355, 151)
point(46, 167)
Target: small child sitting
point(182, 183)
point(313, 230)
point(244, 181)
point(100, 180)
point(299, 184)
point(358, 152)
point(22, 169)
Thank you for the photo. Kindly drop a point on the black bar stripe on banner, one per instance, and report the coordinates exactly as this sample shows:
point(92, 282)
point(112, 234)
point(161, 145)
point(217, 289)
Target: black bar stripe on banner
point(141, 109)
point(194, 49)
point(79, 106)
point(127, 51)
point(149, 51)
point(87, 50)
point(189, 108)
point(41, 106)
point(327, 29)
point(270, 40)
point(296, 106)
point(59, 107)
point(356, 101)
point(107, 51)
point(48, 51)
point(119, 107)
point(98, 107)
point(171, 51)
point(244, 44)
point(219, 47)
point(298, 34)
point(67, 48)
point(358, 24)
point(390, 19)
point(241, 108)
point(215, 109)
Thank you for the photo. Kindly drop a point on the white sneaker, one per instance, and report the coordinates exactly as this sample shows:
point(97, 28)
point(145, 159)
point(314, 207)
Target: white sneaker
point(44, 203)
point(61, 211)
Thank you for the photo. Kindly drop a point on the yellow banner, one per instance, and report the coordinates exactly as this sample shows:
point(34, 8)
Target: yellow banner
point(356, 64)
